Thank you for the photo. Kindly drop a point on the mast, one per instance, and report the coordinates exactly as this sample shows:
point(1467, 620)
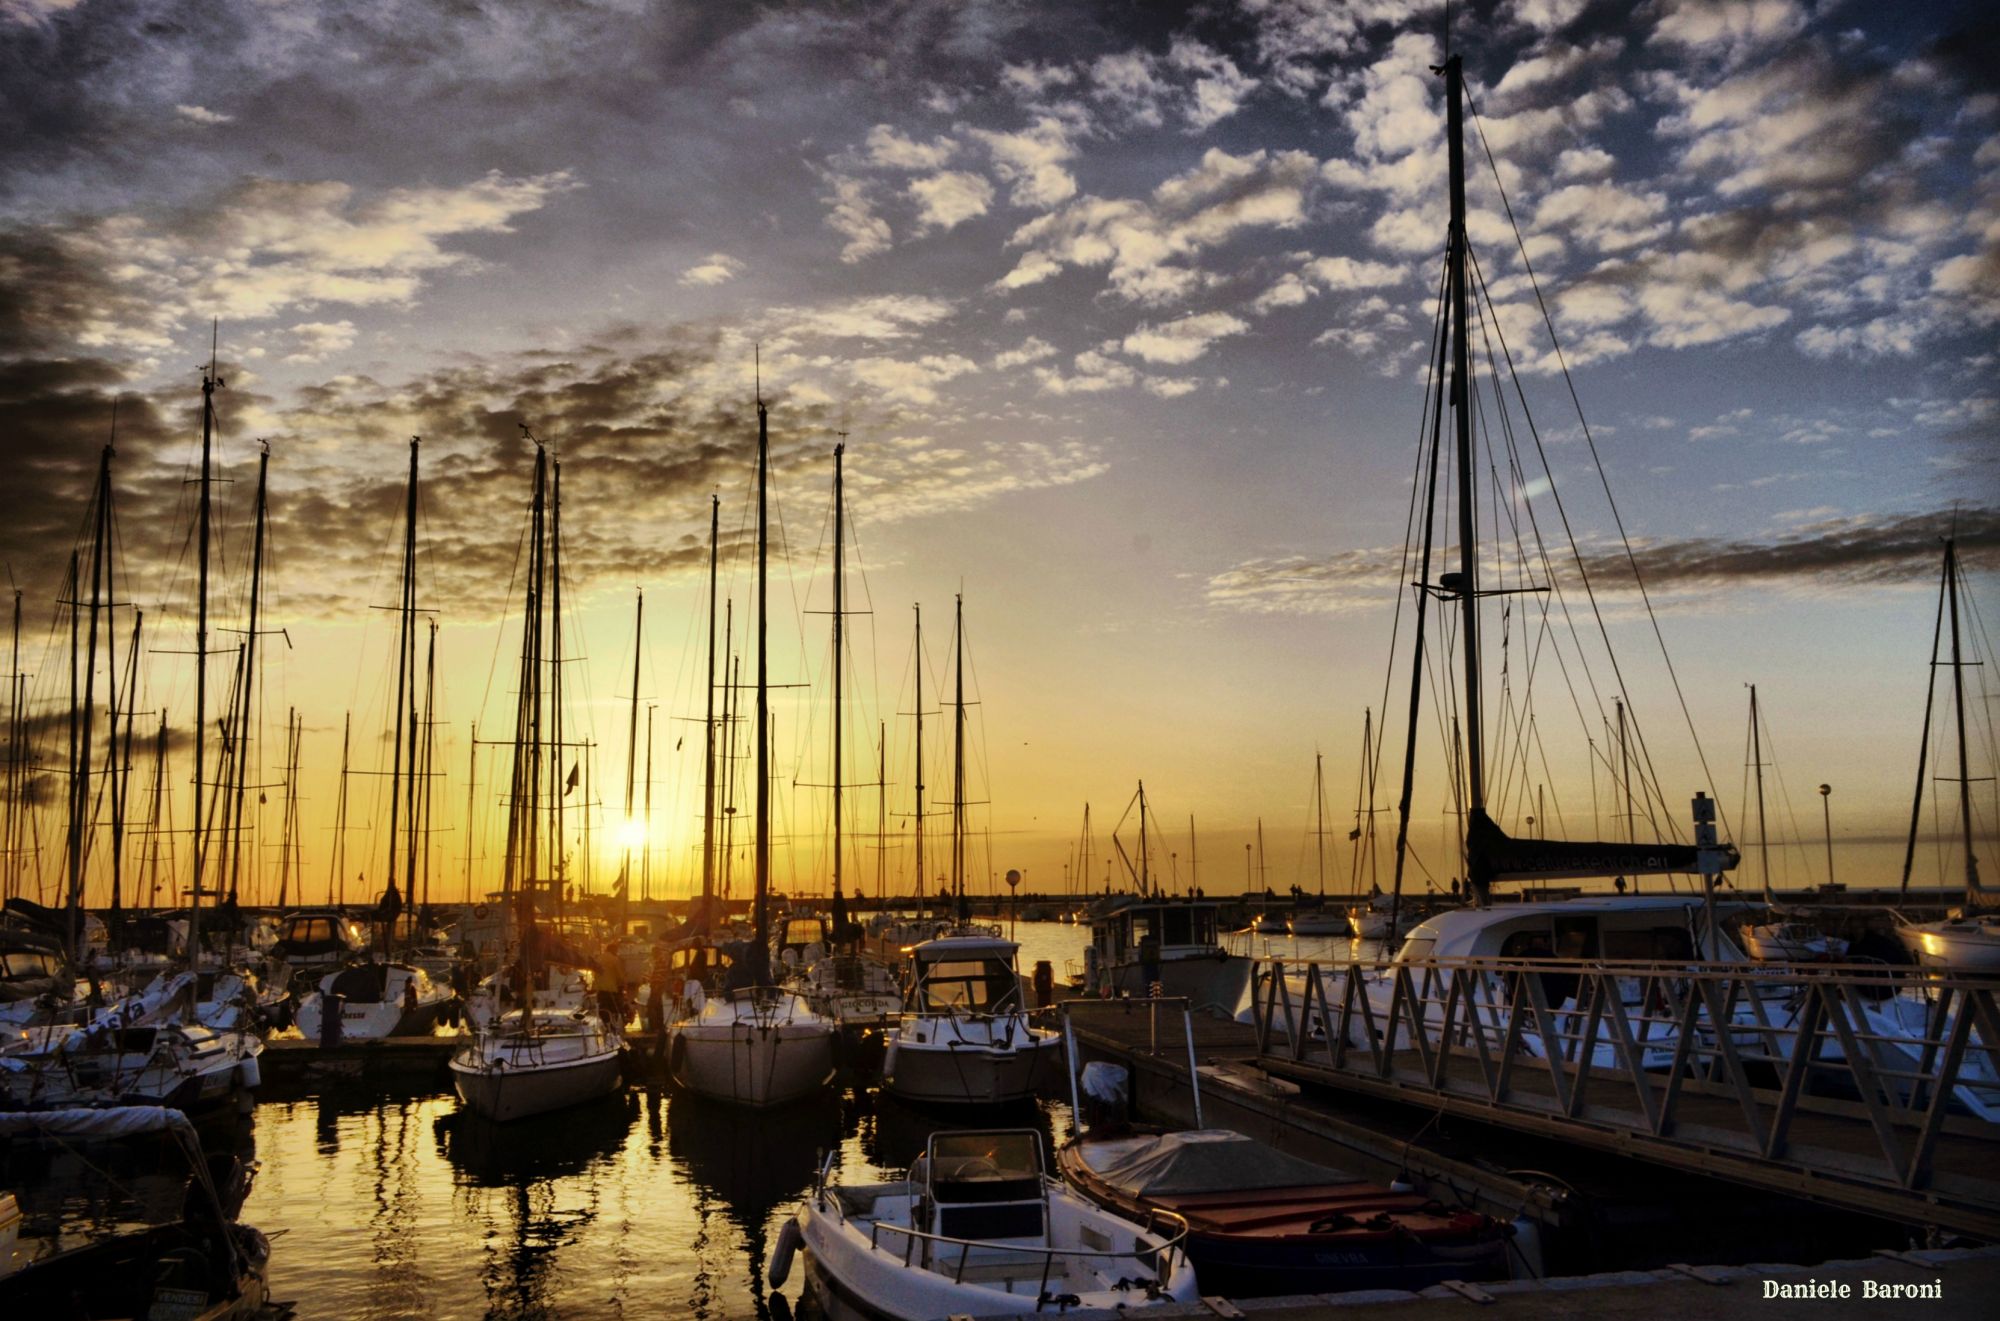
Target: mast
point(728, 735)
point(12, 841)
point(240, 736)
point(1319, 831)
point(159, 798)
point(1145, 881)
point(881, 809)
point(424, 796)
point(121, 775)
point(708, 725)
point(1972, 894)
point(1461, 389)
point(336, 877)
point(918, 665)
point(558, 838)
point(632, 743)
point(405, 682)
point(958, 755)
point(839, 606)
point(761, 922)
point(1763, 839)
point(471, 789)
point(646, 857)
point(1194, 865)
point(1923, 744)
point(210, 383)
point(290, 823)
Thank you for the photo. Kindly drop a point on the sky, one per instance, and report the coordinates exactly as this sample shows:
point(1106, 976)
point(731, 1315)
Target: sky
point(1123, 311)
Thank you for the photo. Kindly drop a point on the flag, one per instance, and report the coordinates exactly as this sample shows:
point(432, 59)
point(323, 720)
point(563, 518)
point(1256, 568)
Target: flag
point(570, 783)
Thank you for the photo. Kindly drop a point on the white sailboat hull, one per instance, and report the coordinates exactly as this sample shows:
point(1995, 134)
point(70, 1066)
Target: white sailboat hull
point(752, 1051)
point(969, 1067)
point(505, 1078)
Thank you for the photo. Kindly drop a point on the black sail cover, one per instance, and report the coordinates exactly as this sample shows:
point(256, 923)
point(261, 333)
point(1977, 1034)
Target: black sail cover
point(1497, 856)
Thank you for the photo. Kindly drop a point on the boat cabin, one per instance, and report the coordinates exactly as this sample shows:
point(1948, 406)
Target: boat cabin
point(1663, 928)
point(797, 937)
point(963, 975)
point(318, 936)
point(983, 1185)
point(1126, 929)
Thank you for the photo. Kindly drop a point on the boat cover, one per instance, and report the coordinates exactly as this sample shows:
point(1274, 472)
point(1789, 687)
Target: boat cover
point(113, 1122)
point(1202, 1160)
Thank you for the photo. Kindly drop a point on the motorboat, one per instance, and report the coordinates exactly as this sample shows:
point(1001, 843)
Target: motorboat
point(756, 1046)
point(530, 1064)
point(375, 1000)
point(1261, 1222)
point(1136, 941)
point(314, 939)
point(1789, 940)
point(1320, 922)
point(964, 1036)
point(183, 1066)
point(181, 1256)
point(1268, 923)
point(978, 1230)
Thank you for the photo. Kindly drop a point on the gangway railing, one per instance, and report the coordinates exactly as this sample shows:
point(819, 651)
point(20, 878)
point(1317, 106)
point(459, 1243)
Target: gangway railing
point(1858, 1084)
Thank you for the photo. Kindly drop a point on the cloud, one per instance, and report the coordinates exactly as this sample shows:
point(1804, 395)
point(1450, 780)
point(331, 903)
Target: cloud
point(888, 149)
point(1180, 342)
point(899, 381)
point(716, 268)
point(877, 316)
point(1732, 28)
point(1220, 88)
point(1144, 243)
point(853, 218)
point(1817, 555)
point(317, 339)
point(1128, 85)
point(1031, 350)
point(1032, 161)
point(202, 115)
point(949, 199)
point(1036, 80)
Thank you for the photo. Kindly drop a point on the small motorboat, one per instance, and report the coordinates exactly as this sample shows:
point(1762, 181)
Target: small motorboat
point(530, 1064)
point(1966, 941)
point(1320, 922)
point(1261, 1222)
point(964, 1037)
point(195, 1262)
point(978, 1230)
point(1791, 941)
point(376, 1000)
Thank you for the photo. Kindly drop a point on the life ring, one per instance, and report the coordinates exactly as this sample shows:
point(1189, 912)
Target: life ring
point(479, 910)
point(789, 1240)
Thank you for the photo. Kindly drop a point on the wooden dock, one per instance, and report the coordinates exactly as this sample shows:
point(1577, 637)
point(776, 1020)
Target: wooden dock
point(290, 1060)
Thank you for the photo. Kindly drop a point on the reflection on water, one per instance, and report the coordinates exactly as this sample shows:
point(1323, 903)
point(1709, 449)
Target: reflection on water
point(649, 1203)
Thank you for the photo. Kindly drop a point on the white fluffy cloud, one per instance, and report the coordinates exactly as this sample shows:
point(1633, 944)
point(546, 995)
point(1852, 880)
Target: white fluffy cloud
point(716, 268)
point(1180, 342)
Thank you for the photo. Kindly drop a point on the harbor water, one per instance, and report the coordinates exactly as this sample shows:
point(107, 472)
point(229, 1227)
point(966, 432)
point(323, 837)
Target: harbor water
point(396, 1203)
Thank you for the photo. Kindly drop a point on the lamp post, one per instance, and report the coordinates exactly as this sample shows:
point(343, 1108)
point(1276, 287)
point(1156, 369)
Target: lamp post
point(1826, 812)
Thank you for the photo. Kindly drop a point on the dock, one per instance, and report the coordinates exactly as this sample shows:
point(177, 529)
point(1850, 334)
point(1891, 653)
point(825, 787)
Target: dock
point(294, 1059)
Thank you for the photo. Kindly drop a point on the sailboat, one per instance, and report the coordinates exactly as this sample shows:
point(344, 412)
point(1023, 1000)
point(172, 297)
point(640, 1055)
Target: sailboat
point(387, 996)
point(1784, 939)
point(964, 1036)
point(1664, 926)
point(1321, 921)
point(753, 1043)
point(527, 1059)
point(1968, 939)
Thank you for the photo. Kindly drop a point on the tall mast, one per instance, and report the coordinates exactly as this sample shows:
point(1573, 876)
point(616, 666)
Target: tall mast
point(121, 775)
point(646, 858)
point(760, 923)
point(336, 877)
point(424, 796)
point(732, 675)
point(1757, 760)
point(958, 753)
point(1319, 830)
point(471, 789)
point(558, 840)
point(839, 606)
point(80, 783)
point(1461, 394)
point(1924, 743)
point(918, 664)
point(881, 808)
point(1194, 864)
point(210, 383)
point(632, 741)
point(240, 736)
point(12, 841)
point(1958, 705)
point(1145, 881)
point(708, 755)
point(405, 662)
point(157, 824)
point(289, 824)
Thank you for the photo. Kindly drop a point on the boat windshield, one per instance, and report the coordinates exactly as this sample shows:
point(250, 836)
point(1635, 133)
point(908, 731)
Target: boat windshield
point(976, 1166)
point(984, 986)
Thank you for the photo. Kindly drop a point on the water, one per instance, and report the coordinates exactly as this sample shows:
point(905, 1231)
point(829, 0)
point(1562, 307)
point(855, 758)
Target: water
point(394, 1204)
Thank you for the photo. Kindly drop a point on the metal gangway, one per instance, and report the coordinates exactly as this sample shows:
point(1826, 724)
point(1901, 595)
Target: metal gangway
point(1859, 1086)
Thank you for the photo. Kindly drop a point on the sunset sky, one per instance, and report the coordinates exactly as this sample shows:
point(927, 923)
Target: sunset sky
point(1123, 309)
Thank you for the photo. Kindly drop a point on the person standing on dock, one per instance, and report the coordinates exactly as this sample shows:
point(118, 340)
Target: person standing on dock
point(611, 985)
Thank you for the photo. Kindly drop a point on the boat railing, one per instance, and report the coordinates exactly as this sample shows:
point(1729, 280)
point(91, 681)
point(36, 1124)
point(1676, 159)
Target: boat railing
point(1139, 1254)
point(1635, 1042)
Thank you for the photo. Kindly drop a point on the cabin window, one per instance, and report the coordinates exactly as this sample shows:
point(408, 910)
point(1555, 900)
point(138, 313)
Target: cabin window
point(1179, 924)
point(1576, 938)
point(28, 965)
point(975, 985)
point(1532, 944)
point(312, 929)
point(1651, 944)
point(802, 931)
point(1204, 926)
point(1145, 926)
point(1416, 951)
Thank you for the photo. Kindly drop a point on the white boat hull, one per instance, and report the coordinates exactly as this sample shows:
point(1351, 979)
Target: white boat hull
point(503, 1084)
point(753, 1065)
point(952, 1071)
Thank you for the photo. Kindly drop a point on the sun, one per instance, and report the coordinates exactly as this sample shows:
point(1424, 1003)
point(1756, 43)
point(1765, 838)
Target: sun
point(631, 835)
